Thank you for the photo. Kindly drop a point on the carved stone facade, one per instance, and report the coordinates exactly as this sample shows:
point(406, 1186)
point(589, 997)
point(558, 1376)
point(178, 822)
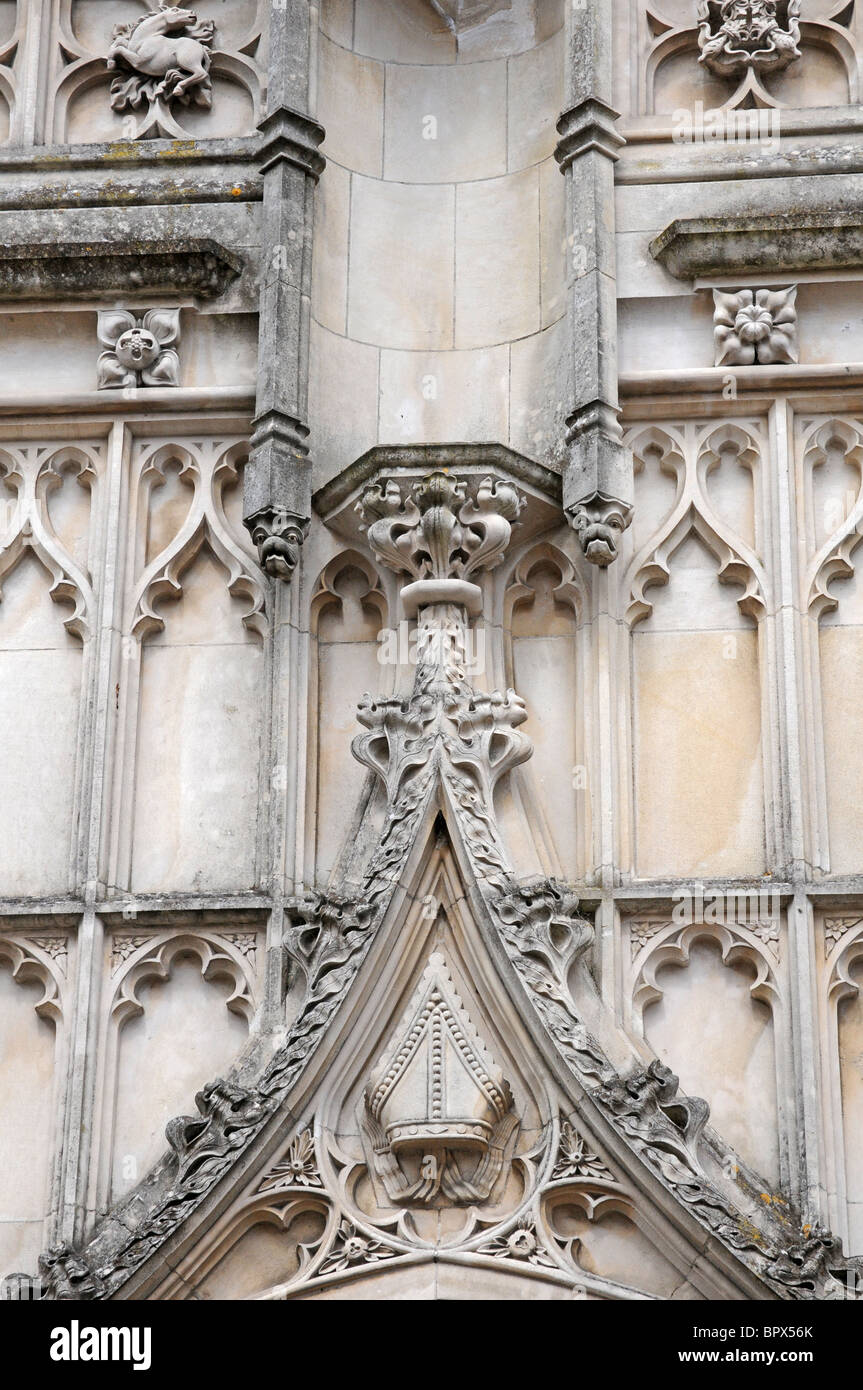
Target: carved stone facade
point(431, 483)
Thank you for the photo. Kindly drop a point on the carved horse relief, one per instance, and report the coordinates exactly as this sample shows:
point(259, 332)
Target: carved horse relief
point(162, 57)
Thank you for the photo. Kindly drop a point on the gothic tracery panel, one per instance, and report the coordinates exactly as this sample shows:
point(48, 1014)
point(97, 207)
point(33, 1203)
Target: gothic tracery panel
point(47, 552)
point(125, 70)
point(33, 976)
point(713, 664)
point(191, 674)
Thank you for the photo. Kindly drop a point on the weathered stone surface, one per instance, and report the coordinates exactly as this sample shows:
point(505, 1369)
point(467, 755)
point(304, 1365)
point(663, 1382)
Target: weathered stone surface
point(778, 242)
point(80, 270)
point(536, 788)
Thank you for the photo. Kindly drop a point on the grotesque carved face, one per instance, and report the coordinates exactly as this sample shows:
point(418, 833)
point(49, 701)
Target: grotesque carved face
point(136, 349)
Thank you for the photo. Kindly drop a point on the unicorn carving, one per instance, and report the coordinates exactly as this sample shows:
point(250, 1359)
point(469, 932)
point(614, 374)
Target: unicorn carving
point(162, 57)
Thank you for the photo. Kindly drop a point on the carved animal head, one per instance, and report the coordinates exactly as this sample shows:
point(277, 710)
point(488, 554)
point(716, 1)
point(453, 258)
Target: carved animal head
point(176, 17)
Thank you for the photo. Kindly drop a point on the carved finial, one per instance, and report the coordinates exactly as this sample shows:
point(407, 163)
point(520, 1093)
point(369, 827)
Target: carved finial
point(439, 535)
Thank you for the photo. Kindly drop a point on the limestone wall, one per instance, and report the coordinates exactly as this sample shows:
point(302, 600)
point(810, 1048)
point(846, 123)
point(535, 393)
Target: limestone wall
point(176, 722)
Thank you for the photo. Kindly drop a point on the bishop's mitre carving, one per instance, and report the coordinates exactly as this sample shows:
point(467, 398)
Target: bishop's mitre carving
point(437, 1113)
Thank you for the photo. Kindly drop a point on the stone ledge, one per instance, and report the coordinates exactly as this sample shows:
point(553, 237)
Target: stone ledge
point(335, 502)
point(817, 376)
point(141, 400)
point(82, 270)
point(776, 243)
point(415, 460)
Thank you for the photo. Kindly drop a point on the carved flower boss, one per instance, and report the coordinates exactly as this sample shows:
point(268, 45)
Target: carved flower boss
point(139, 351)
point(755, 326)
point(739, 36)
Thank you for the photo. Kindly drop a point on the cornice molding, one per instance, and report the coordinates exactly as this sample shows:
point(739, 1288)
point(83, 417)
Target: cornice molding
point(416, 460)
point(78, 269)
point(774, 243)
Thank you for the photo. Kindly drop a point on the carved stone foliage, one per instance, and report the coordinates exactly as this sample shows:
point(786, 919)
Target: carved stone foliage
point(438, 1115)
point(138, 351)
point(438, 533)
point(445, 727)
point(352, 1248)
point(297, 1168)
point(161, 58)
point(34, 471)
point(521, 1243)
point(844, 952)
point(735, 36)
point(163, 72)
point(836, 928)
point(207, 466)
point(755, 326)
point(574, 1158)
point(225, 1112)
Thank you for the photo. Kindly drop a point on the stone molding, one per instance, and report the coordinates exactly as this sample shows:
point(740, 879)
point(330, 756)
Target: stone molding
point(591, 125)
point(776, 244)
point(289, 135)
point(83, 270)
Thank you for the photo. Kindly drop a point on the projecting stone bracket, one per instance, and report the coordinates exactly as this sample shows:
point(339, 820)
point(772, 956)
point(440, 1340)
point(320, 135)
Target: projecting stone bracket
point(82, 270)
point(277, 492)
point(335, 503)
point(597, 482)
point(775, 244)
